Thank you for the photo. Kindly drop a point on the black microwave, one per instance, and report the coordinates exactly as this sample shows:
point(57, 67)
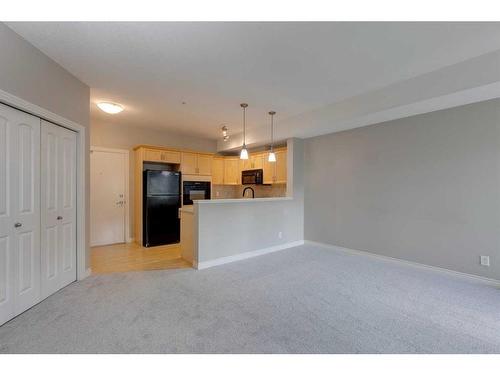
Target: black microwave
point(252, 177)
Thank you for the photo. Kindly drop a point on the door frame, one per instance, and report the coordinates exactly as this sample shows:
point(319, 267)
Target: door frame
point(128, 239)
point(82, 183)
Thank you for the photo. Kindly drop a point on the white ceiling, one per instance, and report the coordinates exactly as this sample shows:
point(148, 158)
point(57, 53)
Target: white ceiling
point(292, 68)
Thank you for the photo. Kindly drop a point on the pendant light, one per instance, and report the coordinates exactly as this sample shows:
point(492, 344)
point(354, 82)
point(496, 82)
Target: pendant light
point(244, 151)
point(272, 156)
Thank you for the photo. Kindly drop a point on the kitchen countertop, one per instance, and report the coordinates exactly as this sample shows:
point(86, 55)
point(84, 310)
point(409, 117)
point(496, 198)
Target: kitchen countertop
point(188, 209)
point(243, 200)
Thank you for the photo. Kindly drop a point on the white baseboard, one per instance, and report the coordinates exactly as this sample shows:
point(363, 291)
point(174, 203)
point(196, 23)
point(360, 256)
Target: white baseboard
point(87, 273)
point(130, 239)
point(249, 254)
point(407, 262)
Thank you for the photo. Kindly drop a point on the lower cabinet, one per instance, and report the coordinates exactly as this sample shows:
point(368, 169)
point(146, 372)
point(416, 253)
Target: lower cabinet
point(37, 210)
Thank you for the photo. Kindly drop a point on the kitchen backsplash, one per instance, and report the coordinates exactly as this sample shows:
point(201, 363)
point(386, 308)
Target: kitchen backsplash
point(236, 191)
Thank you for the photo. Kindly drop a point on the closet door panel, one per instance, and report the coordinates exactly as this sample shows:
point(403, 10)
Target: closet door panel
point(19, 212)
point(50, 207)
point(25, 174)
point(6, 220)
point(67, 183)
point(6, 279)
point(58, 208)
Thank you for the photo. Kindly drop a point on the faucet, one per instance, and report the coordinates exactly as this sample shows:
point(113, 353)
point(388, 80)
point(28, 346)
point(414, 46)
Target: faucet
point(245, 190)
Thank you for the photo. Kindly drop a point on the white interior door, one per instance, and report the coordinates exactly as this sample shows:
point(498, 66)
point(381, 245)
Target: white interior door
point(108, 180)
point(19, 212)
point(58, 208)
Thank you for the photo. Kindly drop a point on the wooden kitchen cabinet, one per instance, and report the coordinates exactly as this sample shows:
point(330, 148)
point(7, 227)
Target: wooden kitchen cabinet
point(152, 155)
point(253, 162)
point(157, 155)
point(173, 157)
point(281, 167)
point(196, 164)
point(205, 164)
point(232, 172)
point(275, 173)
point(218, 171)
point(269, 170)
point(257, 161)
point(245, 165)
point(189, 163)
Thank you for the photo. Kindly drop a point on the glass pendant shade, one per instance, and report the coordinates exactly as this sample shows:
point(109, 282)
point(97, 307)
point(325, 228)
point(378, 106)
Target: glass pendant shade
point(244, 153)
point(272, 157)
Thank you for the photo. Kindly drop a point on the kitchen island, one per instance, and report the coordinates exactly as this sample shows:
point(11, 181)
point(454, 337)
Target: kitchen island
point(224, 230)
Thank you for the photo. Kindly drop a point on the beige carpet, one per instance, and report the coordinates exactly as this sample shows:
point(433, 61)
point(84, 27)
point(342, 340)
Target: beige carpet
point(301, 300)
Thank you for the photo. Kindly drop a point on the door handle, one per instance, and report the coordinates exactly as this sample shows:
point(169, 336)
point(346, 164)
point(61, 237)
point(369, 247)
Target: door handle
point(59, 218)
point(18, 225)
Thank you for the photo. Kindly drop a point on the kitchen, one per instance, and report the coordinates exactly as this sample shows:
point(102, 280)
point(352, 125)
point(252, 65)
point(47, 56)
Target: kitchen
point(145, 221)
point(198, 176)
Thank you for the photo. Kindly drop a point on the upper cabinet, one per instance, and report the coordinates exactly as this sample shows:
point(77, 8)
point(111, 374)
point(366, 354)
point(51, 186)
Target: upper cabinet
point(218, 171)
point(232, 171)
point(196, 164)
point(163, 156)
point(225, 170)
point(205, 164)
point(275, 173)
point(189, 163)
point(281, 167)
point(253, 162)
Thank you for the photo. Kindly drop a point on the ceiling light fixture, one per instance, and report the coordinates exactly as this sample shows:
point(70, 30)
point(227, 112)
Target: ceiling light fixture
point(244, 151)
point(272, 155)
point(225, 135)
point(111, 108)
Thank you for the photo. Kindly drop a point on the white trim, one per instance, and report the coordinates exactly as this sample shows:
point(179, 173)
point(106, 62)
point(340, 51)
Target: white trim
point(88, 272)
point(81, 239)
point(407, 262)
point(249, 254)
point(125, 152)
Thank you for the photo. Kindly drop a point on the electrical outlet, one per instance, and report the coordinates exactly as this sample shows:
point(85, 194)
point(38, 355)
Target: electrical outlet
point(280, 234)
point(485, 260)
point(216, 193)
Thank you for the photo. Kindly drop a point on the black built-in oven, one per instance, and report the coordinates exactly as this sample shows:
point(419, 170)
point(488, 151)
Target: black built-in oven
point(252, 177)
point(195, 190)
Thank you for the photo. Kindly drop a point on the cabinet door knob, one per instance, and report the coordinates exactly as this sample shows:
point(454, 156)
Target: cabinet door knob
point(17, 225)
point(59, 218)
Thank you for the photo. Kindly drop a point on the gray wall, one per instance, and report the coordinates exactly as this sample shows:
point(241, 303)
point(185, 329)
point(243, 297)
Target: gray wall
point(227, 229)
point(127, 137)
point(29, 74)
point(424, 188)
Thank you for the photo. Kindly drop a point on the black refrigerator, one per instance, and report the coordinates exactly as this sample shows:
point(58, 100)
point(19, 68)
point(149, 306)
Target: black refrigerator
point(161, 203)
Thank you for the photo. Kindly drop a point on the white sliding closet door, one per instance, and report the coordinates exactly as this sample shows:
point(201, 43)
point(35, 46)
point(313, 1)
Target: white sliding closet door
point(19, 212)
point(58, 208)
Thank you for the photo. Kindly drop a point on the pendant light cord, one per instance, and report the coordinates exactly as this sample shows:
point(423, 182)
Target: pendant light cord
point(272, 132)
point(244, 126)
point(272, 113)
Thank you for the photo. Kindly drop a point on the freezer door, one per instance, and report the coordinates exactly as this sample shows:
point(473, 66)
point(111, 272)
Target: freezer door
point(161, 220)
point(162, 183)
